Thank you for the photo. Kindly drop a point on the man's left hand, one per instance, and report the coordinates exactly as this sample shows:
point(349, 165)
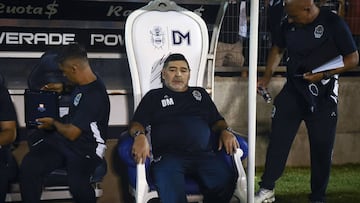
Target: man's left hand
point(56, 87)
point(46, 123)
point(229, 141)
point(313, 77)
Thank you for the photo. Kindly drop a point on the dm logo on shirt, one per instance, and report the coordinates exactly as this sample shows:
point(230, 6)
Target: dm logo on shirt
point(167, 101)
point(319, 31)
point(197, 95)
point(77, 99)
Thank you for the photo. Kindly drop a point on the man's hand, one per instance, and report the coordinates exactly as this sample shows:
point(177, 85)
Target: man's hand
point(46, 123)
point(140, 149)
point(56, 87)
point(229, 141)
point(313, 77)
point(263, 82)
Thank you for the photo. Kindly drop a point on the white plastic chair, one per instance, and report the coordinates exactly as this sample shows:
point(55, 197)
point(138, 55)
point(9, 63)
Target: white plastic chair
point(155, 31)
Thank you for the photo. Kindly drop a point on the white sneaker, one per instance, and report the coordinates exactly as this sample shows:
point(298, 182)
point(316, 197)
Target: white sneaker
point(264, 196)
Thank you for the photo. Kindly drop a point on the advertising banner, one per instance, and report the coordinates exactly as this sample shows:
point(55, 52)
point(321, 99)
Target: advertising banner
point(35, 26)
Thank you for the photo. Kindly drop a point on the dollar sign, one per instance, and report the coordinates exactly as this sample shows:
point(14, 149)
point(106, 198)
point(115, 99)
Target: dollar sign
point(51, 9)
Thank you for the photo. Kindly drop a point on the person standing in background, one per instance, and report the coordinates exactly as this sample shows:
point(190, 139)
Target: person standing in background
point(229, 51)
point(8, 129)
point(352, 17)
point(311, 36)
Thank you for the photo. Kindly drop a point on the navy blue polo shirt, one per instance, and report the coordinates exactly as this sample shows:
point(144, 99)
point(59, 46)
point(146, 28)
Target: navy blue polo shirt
point(310, 46)
point(90, 111)
point(180, 121)
point(7, 110)
point(303, 42)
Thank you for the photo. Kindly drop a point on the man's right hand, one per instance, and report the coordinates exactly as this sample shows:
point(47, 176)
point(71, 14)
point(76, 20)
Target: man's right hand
point(264, 81)
point(140, 149)
point(56, 87)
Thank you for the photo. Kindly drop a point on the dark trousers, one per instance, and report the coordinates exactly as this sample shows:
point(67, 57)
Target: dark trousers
point(51, 154)
point(215, 177)
point(290, 110)
point(8, 171)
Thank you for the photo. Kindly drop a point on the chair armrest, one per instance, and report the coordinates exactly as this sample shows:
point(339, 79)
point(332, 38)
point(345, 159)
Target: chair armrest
point(124, 149)
point(137, 173)
point(241, 183)
point(141, 184)
point(243, 145)
point(241, 140)
point(240, 154)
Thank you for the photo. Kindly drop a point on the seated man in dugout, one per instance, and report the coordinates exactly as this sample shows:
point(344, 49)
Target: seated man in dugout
point(8, 119)
point(182, 119)
point(77, 140)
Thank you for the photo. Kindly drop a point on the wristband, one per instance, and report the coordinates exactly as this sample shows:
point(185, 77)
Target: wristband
point(137, 133)
point(230, 130)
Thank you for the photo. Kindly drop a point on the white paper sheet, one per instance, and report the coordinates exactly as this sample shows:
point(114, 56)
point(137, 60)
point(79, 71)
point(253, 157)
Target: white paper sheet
point(337, 62)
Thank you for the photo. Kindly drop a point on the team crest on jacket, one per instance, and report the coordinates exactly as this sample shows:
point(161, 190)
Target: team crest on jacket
point(197, 95)
point(77, 99)
point(319, 31)
point(157, 37)
point(314, 90)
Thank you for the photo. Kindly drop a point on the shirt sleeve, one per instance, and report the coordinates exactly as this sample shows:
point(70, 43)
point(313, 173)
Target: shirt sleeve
point(214, 114)
point(278, 36)
point(88, 110)
point(143, 111)
point(7, 109)
point(343, 37)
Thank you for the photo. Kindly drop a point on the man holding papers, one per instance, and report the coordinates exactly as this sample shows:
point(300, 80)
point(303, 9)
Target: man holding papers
point(313, 38)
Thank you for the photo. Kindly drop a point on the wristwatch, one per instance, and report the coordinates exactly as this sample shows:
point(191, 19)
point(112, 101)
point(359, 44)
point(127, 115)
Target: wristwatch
point(137, 133)
point(230, 130)
point(326, 75)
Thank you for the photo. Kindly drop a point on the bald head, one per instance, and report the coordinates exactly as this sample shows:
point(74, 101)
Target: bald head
point(301, 11)
point(299, 2)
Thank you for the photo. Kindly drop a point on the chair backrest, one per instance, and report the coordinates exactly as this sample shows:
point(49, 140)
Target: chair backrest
point(45, 71)
point(157, 30)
